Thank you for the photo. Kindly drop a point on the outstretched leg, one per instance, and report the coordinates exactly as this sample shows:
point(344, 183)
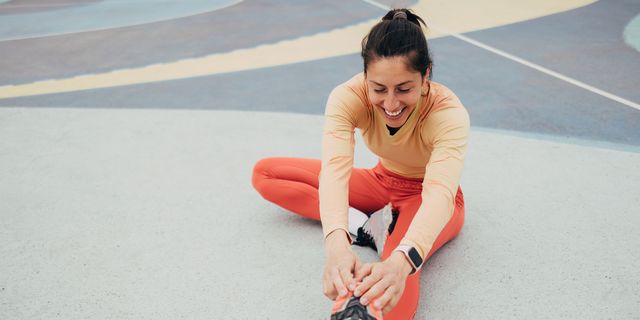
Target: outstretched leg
point(408, 304)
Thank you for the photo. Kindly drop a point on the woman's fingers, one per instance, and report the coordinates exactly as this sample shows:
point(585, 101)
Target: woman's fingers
point(356, 266)
point(347, 278)
point(380, 283)
point(392, 303)
point(328, 288)
point(387, 300)
point(367, 282)
point(376, 290)
point(336, 278)
point(363, 271)
point(338, 272)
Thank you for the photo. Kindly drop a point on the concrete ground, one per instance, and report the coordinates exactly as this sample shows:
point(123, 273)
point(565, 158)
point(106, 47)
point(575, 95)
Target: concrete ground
point(127, 144)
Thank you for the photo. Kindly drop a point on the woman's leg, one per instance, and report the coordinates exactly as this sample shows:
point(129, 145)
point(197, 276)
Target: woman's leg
point(408, 304)
point(292, 183)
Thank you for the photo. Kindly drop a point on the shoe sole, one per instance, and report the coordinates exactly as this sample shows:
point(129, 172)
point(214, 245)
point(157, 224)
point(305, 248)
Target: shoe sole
point(350, 308)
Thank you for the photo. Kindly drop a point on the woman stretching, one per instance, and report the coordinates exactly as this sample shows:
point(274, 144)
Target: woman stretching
point(418, 129)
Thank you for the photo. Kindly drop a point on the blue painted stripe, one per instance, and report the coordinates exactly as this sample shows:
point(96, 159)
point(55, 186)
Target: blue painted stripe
point(103, 15)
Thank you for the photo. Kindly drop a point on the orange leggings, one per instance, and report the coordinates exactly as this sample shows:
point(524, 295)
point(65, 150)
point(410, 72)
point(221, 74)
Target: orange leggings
point(292, 183)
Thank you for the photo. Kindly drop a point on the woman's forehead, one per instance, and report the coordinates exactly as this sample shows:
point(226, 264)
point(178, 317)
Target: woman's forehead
point(391, 72)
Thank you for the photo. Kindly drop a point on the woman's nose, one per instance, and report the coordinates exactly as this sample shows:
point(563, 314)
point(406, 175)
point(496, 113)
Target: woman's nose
point(391, 103)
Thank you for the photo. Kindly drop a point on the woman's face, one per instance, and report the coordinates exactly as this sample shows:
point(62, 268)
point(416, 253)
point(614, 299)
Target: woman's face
point(394, 90)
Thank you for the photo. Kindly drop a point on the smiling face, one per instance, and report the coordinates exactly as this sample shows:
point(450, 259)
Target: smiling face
point(394, 90)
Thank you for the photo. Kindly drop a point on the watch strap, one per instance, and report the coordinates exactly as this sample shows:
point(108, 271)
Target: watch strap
point(412, 255)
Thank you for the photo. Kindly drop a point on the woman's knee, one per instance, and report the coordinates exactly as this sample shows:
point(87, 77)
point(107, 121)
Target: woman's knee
point(261, 173)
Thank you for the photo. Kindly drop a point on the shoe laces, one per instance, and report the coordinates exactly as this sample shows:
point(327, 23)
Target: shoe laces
point(364, 239)
point(353, 311)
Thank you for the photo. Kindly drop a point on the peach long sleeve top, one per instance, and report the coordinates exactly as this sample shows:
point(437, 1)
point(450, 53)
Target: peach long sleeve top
point(431, 145)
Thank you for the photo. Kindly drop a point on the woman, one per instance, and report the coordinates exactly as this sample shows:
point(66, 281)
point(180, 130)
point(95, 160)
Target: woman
point(419, 130)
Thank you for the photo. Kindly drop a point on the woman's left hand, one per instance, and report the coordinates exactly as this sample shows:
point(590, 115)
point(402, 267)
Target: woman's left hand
point(383, 282)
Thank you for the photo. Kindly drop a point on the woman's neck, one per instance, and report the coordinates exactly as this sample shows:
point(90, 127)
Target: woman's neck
point(392, 130)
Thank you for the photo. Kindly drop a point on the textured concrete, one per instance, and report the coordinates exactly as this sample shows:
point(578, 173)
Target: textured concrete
point(149, 214)
point(135, 202)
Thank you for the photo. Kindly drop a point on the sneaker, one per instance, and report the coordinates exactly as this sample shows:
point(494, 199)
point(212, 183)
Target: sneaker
point(377, 228)
point(350, 308)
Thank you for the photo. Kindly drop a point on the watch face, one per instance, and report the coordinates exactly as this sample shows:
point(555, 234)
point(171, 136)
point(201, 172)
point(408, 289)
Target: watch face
point(415, 257)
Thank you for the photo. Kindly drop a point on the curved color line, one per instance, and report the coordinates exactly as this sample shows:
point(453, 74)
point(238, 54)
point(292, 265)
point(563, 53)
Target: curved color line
point(631, 33)
point(532, 65)
point(333, 43)
point(552, 73)
point(102, 15)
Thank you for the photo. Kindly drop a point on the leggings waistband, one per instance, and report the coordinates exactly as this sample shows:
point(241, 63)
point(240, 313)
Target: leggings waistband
point(396, 180)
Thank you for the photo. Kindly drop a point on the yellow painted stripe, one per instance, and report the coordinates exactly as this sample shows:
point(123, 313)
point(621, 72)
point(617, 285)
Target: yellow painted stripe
point(454, 16)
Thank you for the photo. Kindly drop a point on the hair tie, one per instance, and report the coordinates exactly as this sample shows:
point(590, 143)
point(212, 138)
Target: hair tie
point(399, 15)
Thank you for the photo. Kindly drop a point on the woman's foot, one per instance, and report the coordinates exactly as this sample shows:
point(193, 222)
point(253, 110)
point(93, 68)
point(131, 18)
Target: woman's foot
point(376, 229)
point(350, 308)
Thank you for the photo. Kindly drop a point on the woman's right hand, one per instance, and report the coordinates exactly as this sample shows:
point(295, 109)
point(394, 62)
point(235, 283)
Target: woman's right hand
point(341, 263)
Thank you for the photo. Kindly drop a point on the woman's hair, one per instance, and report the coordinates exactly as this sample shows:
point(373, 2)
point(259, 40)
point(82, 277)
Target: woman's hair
point(399, 34)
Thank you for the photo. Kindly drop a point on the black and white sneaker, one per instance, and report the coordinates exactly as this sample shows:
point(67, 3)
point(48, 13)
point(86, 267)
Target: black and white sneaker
point(350, 308)
point(377, 228)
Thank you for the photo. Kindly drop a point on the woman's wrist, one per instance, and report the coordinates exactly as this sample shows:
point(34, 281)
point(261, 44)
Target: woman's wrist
point(400, 260)
point(337, 239)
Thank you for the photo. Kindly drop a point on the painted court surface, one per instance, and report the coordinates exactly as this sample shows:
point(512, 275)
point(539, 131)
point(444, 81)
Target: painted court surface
point(129, 129)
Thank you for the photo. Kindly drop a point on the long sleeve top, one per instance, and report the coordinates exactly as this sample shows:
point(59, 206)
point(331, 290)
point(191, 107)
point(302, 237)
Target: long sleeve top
point(431, 145)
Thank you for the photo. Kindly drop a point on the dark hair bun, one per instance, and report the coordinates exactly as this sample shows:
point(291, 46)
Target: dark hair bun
point(399, 15)
point(396, 14)
point(399, 34)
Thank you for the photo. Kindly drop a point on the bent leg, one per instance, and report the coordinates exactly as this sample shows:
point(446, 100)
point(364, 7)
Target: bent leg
point(408, 304)
point(292, 183)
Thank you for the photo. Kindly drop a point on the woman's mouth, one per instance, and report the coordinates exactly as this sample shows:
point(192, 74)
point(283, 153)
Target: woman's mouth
point(393, 115)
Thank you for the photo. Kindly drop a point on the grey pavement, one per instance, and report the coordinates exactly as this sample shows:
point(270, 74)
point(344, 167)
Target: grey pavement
point(135, 202)
point(144, 214)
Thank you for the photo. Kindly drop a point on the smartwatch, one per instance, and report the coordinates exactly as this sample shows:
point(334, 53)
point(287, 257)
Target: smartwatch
point(412, 256)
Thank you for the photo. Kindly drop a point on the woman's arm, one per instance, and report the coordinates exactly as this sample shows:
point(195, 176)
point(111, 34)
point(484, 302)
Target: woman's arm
point(447, 129)
point(337, 161)
point(343, 112)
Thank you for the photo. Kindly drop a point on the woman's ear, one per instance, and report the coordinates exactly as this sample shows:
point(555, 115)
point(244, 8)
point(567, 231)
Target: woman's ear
point(425, 83)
